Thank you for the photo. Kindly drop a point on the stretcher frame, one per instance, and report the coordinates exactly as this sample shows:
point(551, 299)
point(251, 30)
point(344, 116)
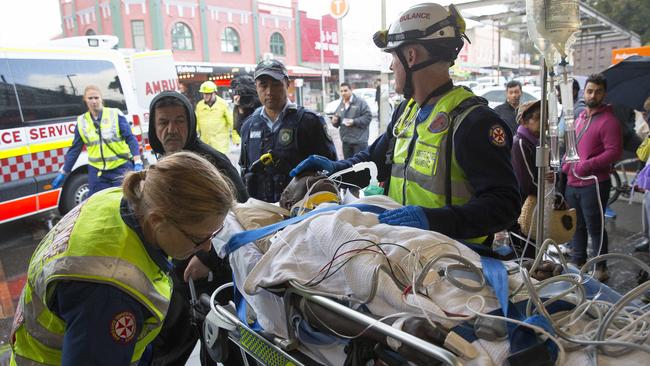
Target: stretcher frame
point(283, 352)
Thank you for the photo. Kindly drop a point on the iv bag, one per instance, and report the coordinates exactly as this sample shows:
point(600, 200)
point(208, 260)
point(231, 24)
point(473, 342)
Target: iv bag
point(552, 22)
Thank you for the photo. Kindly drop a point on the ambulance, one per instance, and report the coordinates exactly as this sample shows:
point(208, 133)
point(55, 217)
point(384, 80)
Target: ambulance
point(41, 91)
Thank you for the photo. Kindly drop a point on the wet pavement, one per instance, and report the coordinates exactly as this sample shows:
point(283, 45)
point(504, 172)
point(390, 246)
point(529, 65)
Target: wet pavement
point(19, 238)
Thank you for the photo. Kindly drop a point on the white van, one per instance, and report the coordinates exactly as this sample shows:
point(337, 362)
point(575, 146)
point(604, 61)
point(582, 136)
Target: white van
point(40, 98)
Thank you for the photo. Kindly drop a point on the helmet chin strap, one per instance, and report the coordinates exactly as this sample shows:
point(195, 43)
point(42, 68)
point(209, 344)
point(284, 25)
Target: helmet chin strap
point(409, 70)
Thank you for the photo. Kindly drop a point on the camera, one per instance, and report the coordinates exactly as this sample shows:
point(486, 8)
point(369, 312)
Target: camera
point(244, 86)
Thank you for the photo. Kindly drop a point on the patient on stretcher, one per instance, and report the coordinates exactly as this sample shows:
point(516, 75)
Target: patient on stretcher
point(423, 277)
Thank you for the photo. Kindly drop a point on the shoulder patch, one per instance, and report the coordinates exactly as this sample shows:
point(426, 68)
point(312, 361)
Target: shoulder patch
point(497, 136)
point(123, 327)
point(439, 123)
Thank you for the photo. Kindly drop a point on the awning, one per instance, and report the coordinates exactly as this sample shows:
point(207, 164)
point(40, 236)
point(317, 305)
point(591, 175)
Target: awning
point(301, 71)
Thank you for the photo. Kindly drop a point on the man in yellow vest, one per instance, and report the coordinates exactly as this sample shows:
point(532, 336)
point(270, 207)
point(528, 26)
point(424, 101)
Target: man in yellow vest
point(445, 155)
point(214, 120)
point(98, 288)
point(112, 148)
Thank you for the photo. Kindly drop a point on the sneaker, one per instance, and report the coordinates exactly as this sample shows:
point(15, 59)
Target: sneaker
point(601, 275)
point(609, 213)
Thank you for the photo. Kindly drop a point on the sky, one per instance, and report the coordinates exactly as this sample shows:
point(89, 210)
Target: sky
point(37, 21)
point(29, 21)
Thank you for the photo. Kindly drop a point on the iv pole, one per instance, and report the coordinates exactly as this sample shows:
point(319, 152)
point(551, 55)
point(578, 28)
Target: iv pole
point(542, 158)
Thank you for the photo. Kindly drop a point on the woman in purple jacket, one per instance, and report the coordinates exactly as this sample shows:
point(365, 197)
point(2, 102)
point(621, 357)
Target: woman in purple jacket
point(599, 145)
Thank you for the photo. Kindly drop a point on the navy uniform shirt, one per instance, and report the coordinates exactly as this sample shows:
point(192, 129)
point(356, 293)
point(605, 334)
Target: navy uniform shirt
point(102, 321)
point(291, 139)
point(484, 156)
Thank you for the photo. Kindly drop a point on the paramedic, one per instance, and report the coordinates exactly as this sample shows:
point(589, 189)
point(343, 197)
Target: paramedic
point(112, 149)
point(214, 119)
point(98, 289)
point(172, 129)
point(282, 130)
point(445, 155)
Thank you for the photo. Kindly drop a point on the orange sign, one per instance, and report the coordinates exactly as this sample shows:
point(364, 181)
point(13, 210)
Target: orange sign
point(621, 54)
point(338, 8)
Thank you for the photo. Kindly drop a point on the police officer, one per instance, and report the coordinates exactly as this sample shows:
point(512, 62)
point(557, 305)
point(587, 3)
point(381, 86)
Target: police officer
point(112, 149)
point(445, 155)
point(214, 119)
point(98, 290)
point(278, 135)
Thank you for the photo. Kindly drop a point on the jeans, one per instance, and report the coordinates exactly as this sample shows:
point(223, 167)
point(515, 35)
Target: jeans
point(102, 179)
point(590, 217)
point(350, 149)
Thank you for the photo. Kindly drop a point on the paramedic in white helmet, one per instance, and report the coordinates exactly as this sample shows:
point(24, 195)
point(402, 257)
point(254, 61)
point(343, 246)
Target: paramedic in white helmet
point(445, 154)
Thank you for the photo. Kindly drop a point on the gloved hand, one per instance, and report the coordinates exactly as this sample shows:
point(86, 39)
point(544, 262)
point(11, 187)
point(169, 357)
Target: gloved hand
point(58, 181)
point(412, 216)
point(313, 163)
point(138, 167)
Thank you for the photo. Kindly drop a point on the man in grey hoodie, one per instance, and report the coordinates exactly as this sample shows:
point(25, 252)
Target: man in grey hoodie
point(172, 128)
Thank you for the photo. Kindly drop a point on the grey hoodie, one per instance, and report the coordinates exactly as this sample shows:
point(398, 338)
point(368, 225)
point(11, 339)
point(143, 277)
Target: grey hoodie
point(194, 144)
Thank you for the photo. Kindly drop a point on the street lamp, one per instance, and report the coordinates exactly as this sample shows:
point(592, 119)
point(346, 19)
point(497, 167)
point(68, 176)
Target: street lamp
point(69, 76)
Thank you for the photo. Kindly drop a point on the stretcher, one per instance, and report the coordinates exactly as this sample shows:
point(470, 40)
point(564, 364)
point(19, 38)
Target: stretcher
point(271, 350)
point(224, 321)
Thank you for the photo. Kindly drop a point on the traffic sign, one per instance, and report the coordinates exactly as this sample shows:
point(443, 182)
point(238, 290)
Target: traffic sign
point(339, 8)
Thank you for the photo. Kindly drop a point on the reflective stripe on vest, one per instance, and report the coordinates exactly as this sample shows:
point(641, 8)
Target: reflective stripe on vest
point(83, 247)
point(110, 151)
point(419, 170)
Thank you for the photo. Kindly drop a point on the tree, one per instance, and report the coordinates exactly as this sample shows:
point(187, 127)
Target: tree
point(632, 14)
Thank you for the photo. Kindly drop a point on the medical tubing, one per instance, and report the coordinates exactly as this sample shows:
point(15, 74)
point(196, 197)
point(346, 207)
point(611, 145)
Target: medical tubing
point(420, 345)
point(560, 347)
point(360, 167)
point(467, 264)
point(600, 203)
point(599, 342)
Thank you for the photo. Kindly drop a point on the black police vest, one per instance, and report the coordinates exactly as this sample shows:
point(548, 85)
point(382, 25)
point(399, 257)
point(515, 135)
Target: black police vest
point(266, 182)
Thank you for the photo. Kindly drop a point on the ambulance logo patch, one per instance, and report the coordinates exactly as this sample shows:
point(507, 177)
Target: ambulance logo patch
point(440, 123)
point(286, 136)
point(497, 136)
point(123, 327)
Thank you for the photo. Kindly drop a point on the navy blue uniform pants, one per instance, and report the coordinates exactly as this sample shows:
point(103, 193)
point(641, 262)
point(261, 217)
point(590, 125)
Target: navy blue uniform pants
point(102, 179)
point(590, 218)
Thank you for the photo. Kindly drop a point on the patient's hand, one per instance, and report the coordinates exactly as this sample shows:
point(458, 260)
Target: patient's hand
point(545, 270)
point(195, 270)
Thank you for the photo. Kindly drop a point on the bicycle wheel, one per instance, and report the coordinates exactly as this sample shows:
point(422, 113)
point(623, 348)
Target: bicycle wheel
point(615, 191)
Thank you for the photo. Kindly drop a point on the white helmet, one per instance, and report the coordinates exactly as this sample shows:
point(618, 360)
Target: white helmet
point(422, 23)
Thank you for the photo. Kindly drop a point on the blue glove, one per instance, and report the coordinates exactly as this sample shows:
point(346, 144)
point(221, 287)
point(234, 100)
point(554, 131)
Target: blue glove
point(313, 163)
point(138, 167)
point(58, 181)
point(412, 216)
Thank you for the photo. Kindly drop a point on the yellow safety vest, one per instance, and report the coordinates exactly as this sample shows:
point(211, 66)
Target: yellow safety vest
point(419, 177)
point(91, 243)
point(110, 151)
point(215, 125)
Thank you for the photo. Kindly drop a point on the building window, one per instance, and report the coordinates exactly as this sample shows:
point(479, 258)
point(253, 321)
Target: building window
point(182, 37)
point(277, 44)
point(90, 32)
point(137, 32)
point(230, 41)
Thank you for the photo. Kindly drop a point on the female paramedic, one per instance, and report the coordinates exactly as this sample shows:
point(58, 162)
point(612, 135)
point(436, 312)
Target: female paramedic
point(97, 287)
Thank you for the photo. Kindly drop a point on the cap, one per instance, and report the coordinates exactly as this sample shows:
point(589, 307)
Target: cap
point(272, 68)
point(523, 108)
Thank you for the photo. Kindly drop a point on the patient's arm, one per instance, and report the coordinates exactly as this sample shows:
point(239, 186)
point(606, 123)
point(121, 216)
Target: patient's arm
point(327, 321)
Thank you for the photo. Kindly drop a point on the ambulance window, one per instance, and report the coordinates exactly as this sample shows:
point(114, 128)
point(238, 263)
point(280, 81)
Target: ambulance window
point(9, 113)
point(53, 89)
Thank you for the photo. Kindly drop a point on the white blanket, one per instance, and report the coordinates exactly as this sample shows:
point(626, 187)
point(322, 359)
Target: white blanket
point(301, 251)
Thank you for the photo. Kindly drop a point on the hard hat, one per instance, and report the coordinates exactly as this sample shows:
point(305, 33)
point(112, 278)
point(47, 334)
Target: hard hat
point(208, 87)
point(422, 23)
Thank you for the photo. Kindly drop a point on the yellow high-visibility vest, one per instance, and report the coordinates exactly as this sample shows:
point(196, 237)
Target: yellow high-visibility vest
point(93, 244)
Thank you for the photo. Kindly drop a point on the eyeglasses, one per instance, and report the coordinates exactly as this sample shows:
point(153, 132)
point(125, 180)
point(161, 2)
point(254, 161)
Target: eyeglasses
point(198, 243)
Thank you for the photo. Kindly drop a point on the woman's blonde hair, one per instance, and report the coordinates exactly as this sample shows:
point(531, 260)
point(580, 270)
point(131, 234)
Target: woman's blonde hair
point(182, 187)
